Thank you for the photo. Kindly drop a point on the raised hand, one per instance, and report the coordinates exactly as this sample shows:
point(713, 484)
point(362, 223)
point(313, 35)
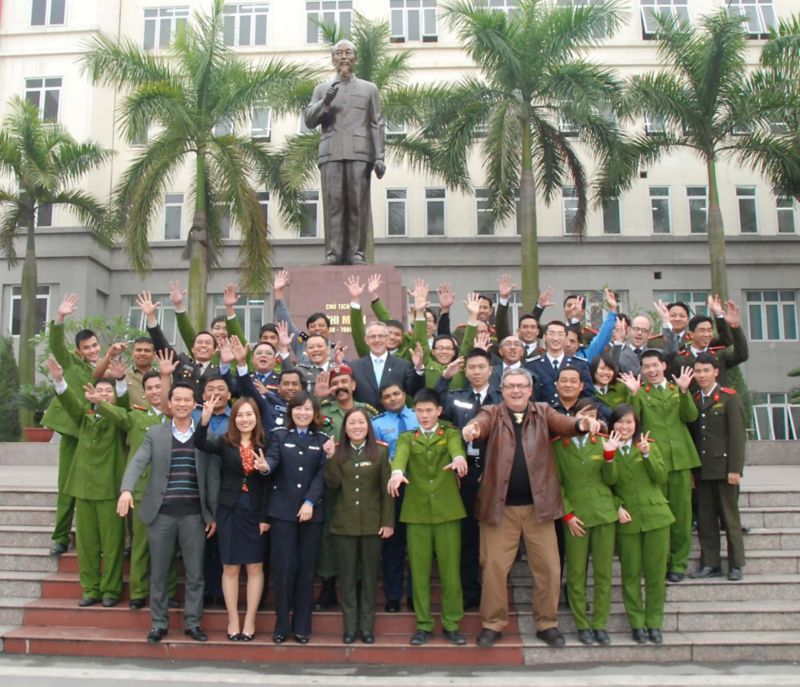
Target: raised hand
point(684, 380)
point(546, 297)
point(176, 295)
point(613, 442)
point(643, 444)
point(482, 341)
point(662, 310)
point(145, 302)
point(284, 337)
point(260, 388)
point(230, 297)
point(55, 370)
point(260, 462)
point(611, 299)
point(395, 481)
point(575, 525)
point(472, 305)
point(505, 286)
point(446, 297)
point(374, 283)
point(225, 351)
point(322, 387)
point(239, 350)
point(90, 393)
point(116, 368)
point(418, 357)
point(116, 349)
point(354, 287)
point(458, 465)
point(339, 352)
point(471, 432)
point(420, 294)
point(633, 383)
point(715, 306)
point(167, 364)
point(329, 447)
point(279, 282)
point(208, 409)
point(453, 368)
point(733, 314)
point(591, 425)
point(67, 307)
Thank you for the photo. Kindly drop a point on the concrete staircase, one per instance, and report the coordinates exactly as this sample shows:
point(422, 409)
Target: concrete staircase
point(757, 619)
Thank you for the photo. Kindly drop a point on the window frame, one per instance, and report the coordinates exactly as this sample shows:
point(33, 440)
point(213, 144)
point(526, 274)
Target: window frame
point(390, 202)
point(668, 198)
point(42, 92)
point(771, 311)
point(564, 210)
point(783, 210)
point(318, 17)
point(741, 198)
point(435, 201)
point(767, 406)
point(316, 202)
point(173, 204)
point(738, 8)
point(259, 9)
point(690, 197)
point(15, 302)
point(48, 14)
point(422, 9)
point(604, 209)
point(180, 14)
point(255, 134)
point(649, 8)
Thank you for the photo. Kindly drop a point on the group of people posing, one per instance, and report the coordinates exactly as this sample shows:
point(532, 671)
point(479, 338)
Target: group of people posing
point(432, 443)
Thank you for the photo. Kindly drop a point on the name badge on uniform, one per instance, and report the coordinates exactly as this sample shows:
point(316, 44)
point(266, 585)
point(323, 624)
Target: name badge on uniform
point(598, 457)
point(290, 445)
point(462, 404)
point(314, 448)
point(363, 464)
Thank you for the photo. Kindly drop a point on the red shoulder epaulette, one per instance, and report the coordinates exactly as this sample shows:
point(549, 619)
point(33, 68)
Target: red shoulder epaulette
point(685, 352)
point(591, 330)
point(713, 349)
point(138, 407)
point(381, 443)
point(555, 439)
point(696, 395)
point(726, 390)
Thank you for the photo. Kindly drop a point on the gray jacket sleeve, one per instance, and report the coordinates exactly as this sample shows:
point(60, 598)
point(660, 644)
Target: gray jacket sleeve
point(138, 464)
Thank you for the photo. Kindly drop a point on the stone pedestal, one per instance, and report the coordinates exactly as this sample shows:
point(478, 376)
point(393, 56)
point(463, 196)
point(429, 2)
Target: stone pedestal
point(321, 288)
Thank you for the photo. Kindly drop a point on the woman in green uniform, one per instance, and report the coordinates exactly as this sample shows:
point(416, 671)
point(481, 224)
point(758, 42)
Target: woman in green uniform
point(607, 388)
point(644, 521)
point(586, 471)
point(363, 514)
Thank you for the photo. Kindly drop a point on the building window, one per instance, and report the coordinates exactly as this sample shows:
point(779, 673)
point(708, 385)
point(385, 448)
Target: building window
point(696, 300)
point(759, 16)
point(510, 7)
point(785, 207)
point(413, 20)
point(261, 123)
point(165, 315)
point(141, 138)
point(162, 24)
point(600, 32)
point(612, 217)
point(338, 13)
point(570, 202)
point(396, 211)
point(567, 127)
point(774, 418)
point(15, 310)
point(659, 210)
point(224, 127)
point(48, 12)
point(654, 124)
point(698, 209)
point(173, 210)
point(44, 93)
point(263, 201)
point(395, 132)
point(434, 211)
point(650, 9)
point(44, 215)
point(772, 315)
point(748, 220)
point(310, 228)
point(483, 212)
point(245, 25)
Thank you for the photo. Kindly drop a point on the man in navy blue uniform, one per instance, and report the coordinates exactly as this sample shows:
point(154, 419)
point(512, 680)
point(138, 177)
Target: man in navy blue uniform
point(545, 368)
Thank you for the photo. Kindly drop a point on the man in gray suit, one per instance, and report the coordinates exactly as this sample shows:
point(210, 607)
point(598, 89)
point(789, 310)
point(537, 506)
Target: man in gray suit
point(178, 506)
point(352, 143)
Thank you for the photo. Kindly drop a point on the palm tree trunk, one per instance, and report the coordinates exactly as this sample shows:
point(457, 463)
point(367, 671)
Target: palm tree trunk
point(527, 223)
point(198, 252)
point(716, 235)
point(27, 351)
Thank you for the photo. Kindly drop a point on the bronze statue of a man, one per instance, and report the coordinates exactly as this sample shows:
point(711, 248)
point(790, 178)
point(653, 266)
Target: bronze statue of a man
point(351, 145)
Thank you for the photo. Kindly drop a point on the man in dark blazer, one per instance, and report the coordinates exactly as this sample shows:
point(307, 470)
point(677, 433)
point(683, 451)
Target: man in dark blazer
point(178, 506)
point(393, 370)
point(352, 143)
point(546, 367)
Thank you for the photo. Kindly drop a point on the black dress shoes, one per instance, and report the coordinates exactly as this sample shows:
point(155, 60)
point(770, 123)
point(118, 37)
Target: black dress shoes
point(674, 576)
point(196, 633)
point(602, 638)
point(349, 638)
point(156, 635)
point(552, 637)
point(392, 607)
point(302, 639)
point(420, 637)
point(706, 571)
point(110, 602)
point(655, 636)
point(735, 574)
point(58, 549)
point(639, 635)
point(368, 638)
point(585, 637)
point(487, 637)
point(278, 638)
point(455, 637)
point(88, 601)
point(136, 604)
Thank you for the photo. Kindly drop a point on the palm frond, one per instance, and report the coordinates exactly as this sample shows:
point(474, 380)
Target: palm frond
point(503, 159)
point(9, 228)
point(88, 210)
point(120, 62)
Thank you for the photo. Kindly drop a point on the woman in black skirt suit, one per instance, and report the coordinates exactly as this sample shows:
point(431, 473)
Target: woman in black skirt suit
point(242, 508)
point(296, 459)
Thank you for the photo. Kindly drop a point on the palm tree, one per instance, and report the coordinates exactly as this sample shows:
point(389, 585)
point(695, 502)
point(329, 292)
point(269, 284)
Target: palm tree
point(43, 162)
point(387, 68)
point(711, 106)
point(197, 85)
point(531, 77)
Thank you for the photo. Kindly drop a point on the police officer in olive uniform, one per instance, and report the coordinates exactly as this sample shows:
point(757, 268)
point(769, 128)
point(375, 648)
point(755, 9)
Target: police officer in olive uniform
point(720, 436)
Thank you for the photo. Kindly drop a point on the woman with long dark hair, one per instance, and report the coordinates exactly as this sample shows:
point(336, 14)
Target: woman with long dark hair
point(644, 518)
point(241, 510)
point(296, 458)
point(363, 515)
point(607, 387)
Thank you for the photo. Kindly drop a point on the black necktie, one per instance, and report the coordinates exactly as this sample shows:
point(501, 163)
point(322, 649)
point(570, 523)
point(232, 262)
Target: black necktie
point(555, 364)
point(476, 397)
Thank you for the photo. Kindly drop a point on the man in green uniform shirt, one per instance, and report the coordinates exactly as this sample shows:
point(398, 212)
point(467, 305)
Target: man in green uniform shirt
point(720, 436)
point(93, 480)
point(427, 461)
point(665, 409)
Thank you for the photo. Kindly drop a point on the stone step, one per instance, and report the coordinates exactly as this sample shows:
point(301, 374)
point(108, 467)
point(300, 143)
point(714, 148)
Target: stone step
point(21, 583)
point(771, 516)
point(27, 559)
point(28, 515)
point(28, 497)
point(12, 609)
point(35, 536)
point(34, 453)
point(769, 497)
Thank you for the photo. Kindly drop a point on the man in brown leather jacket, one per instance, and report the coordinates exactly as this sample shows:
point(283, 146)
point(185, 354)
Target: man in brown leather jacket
point(520, 495)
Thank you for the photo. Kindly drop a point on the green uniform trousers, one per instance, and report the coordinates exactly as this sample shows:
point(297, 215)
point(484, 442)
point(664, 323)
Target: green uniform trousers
point(599, 540)
point(326, 563)
point(359, 558)
point(679, 495)
point(100, 534)
point(716, 499)
point(139, 576)
point(65, 504)
point(444, 541)
point(644, 553)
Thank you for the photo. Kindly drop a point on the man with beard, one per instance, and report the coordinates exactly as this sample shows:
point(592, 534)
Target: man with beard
point(351, 145)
